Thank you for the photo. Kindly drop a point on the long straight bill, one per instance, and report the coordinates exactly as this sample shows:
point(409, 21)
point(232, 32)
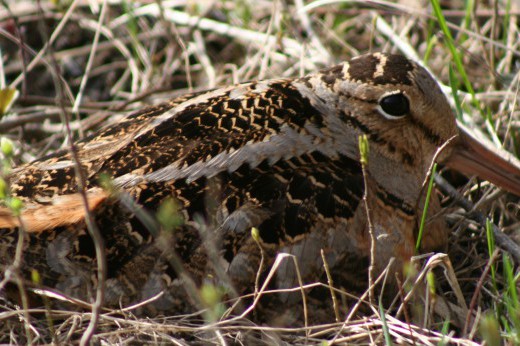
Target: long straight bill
point(472, 157)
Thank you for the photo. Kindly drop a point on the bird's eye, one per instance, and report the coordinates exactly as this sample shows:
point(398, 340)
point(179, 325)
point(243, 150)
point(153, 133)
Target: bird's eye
point(394, 105)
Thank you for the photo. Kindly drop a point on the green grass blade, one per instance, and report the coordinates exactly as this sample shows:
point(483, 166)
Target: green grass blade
point(386, 332)
point(425, 209)
point(491, 248)
point(454, 84)
point(453, 50)
point(512, 303)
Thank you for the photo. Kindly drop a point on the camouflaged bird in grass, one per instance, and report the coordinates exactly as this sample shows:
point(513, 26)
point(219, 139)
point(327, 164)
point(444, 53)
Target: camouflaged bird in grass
point(278, 155)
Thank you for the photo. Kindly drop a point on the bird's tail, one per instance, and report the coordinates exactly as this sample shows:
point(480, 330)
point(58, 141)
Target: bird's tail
point(63, 210)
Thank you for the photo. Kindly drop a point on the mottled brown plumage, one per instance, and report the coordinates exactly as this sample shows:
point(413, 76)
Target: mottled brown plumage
point(278, 155)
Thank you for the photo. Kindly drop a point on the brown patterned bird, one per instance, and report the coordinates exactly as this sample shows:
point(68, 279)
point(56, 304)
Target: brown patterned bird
point(278, 155)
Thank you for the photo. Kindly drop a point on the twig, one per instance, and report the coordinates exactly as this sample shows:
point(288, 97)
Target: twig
point(9, 124)
point(425, 186)
point(81, 180)
point(92, 228)
point(364, 155)
point(88, 67)
point(21, 44)
point(291, 47)
point(303, 16)
point(202, 55)
point(422, 13)
point(256, 237)
point(478, 288)
point(405, 310)
point(263, 290)
point(48, 43)
point(502, 239)
point(361, 300)
point(331, 285)
point(15, 269)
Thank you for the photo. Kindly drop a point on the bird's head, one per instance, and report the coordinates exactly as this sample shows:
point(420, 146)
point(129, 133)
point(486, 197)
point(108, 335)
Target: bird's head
point(408, 121)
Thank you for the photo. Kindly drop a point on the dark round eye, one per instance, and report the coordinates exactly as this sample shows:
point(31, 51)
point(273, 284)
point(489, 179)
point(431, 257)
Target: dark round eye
point(394, 105)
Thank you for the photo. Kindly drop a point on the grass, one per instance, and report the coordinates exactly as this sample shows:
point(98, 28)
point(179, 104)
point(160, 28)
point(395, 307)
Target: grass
point(426, 207)
point(455, 54)
point(138, 53)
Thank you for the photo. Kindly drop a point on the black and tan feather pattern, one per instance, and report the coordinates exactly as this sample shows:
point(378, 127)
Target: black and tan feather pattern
point(278, 155)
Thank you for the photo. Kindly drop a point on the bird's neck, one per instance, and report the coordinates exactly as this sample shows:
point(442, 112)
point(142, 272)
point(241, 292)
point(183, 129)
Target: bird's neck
point(399, 183)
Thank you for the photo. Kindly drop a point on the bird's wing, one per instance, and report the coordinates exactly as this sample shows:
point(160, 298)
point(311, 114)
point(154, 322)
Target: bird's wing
point(259, 137)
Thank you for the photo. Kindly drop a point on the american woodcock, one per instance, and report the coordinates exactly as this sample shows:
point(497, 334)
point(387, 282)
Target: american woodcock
point(278, 155)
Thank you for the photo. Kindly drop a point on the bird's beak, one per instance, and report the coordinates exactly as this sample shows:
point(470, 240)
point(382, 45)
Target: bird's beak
point(472, 157)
